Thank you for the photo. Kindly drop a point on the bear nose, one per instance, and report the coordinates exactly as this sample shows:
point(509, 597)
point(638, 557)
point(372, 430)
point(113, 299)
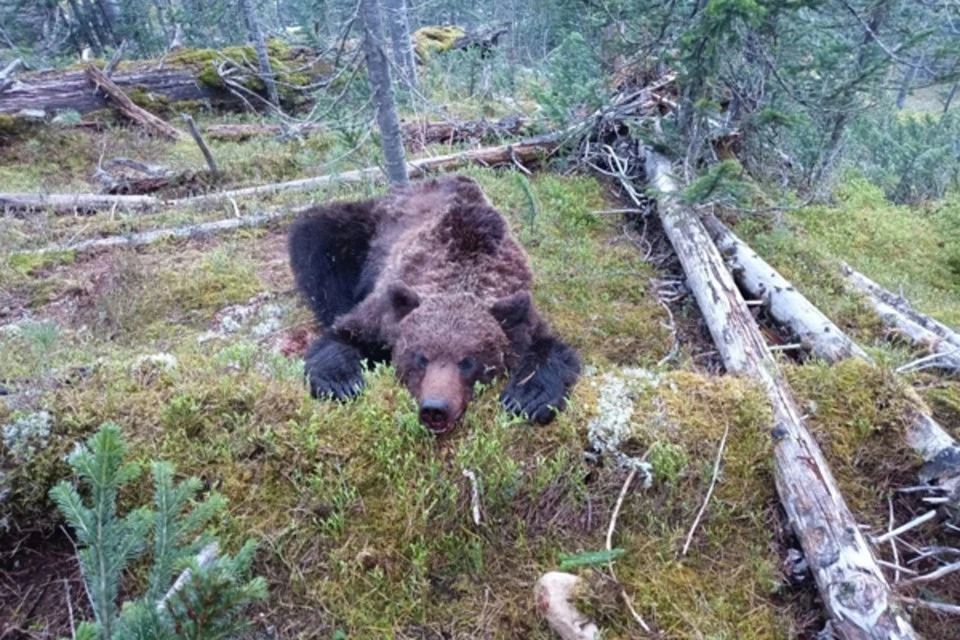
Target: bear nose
point(435, 414)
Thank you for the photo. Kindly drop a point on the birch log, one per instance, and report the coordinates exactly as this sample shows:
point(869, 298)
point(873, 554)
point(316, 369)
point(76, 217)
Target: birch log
point(851, 585)
point(898, 314)
point(790, 308)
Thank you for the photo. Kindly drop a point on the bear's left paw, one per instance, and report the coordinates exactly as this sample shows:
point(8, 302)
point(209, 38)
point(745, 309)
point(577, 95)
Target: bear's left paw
point(539, 386)
point(534, 396)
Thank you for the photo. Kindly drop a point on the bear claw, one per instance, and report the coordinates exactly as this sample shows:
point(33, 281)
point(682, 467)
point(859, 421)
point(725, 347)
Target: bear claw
point(334, 370)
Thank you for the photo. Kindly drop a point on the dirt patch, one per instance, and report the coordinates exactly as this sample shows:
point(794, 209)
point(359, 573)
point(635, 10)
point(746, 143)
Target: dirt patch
point(39, 585)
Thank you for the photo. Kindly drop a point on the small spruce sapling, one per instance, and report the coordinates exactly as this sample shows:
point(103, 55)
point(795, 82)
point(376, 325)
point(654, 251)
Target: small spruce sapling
point(206, 606)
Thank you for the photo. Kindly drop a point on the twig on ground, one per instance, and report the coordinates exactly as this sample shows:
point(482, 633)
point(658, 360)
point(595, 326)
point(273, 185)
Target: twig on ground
point(66, 594)
point(474, 495)
point(610, 530)
point(933, 357)
point(893, 542)
point(940, 607)
point(935, 575)
point(713, 483)
point(913, 524)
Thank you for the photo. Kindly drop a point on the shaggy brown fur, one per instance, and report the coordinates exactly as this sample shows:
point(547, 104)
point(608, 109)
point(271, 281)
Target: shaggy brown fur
point(430, 274)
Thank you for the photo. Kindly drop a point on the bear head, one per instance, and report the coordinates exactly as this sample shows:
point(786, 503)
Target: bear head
point(446, 344)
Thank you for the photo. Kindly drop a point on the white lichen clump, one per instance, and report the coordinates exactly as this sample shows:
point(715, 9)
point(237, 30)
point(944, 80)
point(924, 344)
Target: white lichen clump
point(27, 435)
point(613, 424)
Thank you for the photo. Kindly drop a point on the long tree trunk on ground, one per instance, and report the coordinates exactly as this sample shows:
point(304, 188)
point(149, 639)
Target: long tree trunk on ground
point(260, 46)
point(853, 590)
point(790, 308)
point(399, 26)
point(526, 152)
point(378, 71)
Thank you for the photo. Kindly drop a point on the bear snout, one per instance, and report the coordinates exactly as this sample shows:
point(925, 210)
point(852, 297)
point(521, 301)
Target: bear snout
point(435, 415)
point(441, 399)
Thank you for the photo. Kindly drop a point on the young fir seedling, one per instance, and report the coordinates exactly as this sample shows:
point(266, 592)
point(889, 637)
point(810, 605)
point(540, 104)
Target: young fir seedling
point(206, 605)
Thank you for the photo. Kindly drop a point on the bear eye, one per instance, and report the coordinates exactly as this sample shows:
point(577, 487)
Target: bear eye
point(420, 360)
point(467, 365)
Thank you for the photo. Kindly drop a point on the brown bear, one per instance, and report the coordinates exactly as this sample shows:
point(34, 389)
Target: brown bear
point(429, 276)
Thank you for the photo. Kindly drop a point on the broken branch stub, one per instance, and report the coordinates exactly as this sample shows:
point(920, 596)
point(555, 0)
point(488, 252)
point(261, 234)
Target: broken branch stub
point(851, 585)
point(554, 593)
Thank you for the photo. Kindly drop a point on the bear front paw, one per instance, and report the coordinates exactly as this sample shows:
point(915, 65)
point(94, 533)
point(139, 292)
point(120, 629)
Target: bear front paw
point(535, 396)
point(333, 370)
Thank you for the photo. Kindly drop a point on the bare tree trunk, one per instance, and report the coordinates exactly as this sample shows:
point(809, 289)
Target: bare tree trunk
point(381, 86)
point(85, 29)
point(908, 75)
point(851, 585)
point(951, 96)
point(403, 56)
point(260, 45)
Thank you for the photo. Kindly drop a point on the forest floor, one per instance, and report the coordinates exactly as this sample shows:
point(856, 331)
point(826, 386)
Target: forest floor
point(194, 348)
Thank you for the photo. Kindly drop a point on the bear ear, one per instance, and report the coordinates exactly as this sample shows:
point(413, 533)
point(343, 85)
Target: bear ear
point(512, 310)
point(403, 299)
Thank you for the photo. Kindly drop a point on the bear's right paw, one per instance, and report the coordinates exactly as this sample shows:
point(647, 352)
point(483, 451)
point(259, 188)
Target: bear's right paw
point(333, 370)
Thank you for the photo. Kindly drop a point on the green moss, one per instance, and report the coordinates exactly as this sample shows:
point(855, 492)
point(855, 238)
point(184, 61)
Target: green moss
point(29, 263)
point(209, 77)
point(427, 40)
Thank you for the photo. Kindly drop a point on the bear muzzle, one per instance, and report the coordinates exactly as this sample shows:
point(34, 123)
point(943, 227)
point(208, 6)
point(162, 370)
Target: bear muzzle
point(441, 399)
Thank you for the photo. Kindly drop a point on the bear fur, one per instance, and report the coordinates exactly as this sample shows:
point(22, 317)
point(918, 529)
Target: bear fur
point(430, 277)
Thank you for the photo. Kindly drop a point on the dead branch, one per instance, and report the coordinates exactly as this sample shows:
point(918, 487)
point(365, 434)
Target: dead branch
point(851, 585)
point(76, 203)
point(6, 75)
point(204, 560)
point(554, 592)
point(192, 128)
point(127, 107)
point(156, 235)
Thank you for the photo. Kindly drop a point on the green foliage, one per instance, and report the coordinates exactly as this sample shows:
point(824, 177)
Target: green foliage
point(912, 157)
point(206, 605)
point(723, 184)
point(575, 81)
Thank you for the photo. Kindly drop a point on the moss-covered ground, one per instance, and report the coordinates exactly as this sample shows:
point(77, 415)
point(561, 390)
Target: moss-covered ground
point(365, 519)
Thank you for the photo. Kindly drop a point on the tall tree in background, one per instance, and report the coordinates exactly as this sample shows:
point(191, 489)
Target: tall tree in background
point(260, 45)
point(378, 72)
point(403, 56)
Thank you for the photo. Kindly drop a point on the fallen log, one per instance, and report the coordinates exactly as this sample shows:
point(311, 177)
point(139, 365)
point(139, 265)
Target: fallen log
point(76, 203)
point(525, 152)
point(901, 307)
point(189, 231)
point(851, 585)
point(416, 134)
point(786, 305)
point(126, 106)
point(186, 75)
point(790, 308)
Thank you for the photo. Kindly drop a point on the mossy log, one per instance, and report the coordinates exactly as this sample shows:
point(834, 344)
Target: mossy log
point(853, 589)
point(186, 76)
point(790, 308)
